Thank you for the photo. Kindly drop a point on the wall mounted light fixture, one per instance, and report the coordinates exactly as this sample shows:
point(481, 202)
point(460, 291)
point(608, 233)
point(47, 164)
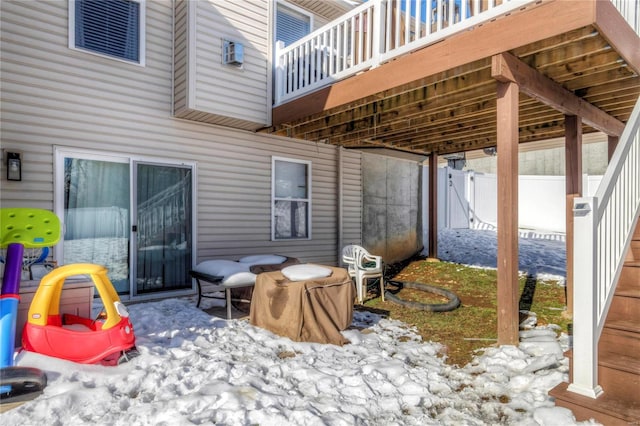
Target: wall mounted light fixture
point(14, 166)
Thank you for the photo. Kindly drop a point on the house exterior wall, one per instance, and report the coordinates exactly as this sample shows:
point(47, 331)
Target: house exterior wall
point(208, 90)
point(351, 197)
point(54, 96)
point(548, 157)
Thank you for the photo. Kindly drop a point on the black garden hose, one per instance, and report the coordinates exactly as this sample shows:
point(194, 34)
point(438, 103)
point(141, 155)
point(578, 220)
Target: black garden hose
point(391, 270)
point(453, 303)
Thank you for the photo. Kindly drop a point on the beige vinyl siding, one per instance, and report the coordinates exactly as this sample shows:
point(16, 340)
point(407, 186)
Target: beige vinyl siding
point(180, 59)
point(351, 197)
point(53, 96)
point(206, 89)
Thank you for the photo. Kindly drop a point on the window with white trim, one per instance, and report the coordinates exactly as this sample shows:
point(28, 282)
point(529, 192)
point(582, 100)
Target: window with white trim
point(291, 199)
point(112, 28)
point(292, 23)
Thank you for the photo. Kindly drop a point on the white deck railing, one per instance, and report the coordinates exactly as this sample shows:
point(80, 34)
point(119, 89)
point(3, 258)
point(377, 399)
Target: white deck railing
point(380, 30)
point(603, 227)
point(373, 33)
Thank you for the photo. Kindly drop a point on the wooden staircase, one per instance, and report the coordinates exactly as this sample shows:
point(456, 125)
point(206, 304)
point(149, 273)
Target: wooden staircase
point(618, 355)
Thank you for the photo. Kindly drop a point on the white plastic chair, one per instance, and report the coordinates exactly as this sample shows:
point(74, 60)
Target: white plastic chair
point(367, 266)
point(349, 259)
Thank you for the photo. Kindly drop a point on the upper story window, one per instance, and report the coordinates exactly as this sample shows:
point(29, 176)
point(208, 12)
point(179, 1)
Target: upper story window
point(291, 199)
point(292, 23)
point(114, 28)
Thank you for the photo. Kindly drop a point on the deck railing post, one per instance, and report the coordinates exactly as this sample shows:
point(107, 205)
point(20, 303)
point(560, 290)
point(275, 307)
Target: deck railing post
point(585, 290)
point(280, 73)
point(379, 30)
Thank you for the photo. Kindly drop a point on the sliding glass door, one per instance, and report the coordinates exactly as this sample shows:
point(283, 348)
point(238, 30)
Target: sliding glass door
point(134, 217)
point(164, 230)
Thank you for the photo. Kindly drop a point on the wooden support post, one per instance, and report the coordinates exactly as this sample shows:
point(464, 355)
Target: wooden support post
point(433, 206)
point(612, 142)
point(573, 176)
point(507, 143)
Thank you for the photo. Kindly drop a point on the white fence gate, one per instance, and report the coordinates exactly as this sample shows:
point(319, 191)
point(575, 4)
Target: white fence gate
point(459, 214)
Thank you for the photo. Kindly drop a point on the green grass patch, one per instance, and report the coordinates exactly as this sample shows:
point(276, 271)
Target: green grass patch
point(473, 325)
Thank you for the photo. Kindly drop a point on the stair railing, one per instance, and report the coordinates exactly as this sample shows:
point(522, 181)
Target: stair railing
point(603, 228)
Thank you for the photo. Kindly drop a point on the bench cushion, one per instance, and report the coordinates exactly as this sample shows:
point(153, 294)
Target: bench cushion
point(305, 271)
point(263, 259)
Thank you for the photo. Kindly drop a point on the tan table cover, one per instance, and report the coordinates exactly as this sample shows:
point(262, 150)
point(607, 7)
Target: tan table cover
point(305, 311)
point(244, 293)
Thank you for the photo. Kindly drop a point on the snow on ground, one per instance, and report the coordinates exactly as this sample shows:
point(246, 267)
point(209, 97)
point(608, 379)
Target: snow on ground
point(199, 369)
point(540, 254)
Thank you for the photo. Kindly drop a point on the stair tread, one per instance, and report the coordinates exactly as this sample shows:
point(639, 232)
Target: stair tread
point(613, 359)
point(632, 263)
point(623, 292)
point(604, 404)
point(623, 324)
point(628, 292)
point(617, 332)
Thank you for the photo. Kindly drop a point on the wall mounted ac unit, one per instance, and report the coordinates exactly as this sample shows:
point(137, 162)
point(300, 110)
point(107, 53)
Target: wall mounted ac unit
point(232, 53)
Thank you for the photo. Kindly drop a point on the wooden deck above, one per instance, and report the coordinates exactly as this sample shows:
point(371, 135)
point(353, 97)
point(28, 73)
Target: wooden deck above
point(442, 98)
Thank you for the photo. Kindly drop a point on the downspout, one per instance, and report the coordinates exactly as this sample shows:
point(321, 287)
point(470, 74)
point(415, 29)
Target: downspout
point(340, 203)
point(173, 57)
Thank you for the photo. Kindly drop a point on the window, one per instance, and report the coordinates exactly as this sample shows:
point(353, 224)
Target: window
point(291, 24)
point(291, 194)
point(113, 28)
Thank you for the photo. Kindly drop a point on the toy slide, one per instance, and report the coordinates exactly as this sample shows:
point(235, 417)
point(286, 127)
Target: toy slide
point(20, 228)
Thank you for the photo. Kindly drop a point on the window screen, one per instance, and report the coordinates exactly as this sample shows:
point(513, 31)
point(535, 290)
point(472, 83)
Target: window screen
point(291, 26)
point(110, 27)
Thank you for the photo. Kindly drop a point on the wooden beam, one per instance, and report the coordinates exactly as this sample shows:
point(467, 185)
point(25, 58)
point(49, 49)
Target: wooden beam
point(503, 34)
point(508, 68)
point(402, 130)
point(573, 176)
point(612, 143)
point(620, 86)
point(559, 54)
point(507, 261)
point(433, 206)
point(404, 106)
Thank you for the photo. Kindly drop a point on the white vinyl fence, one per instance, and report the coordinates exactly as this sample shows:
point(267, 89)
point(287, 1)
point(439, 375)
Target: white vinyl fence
point(468, 199)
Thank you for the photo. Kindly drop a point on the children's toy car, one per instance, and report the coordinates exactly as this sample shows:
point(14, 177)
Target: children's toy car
point(108, 339)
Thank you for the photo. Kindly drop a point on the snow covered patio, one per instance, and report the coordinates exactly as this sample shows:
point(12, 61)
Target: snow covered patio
point(199, 369)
